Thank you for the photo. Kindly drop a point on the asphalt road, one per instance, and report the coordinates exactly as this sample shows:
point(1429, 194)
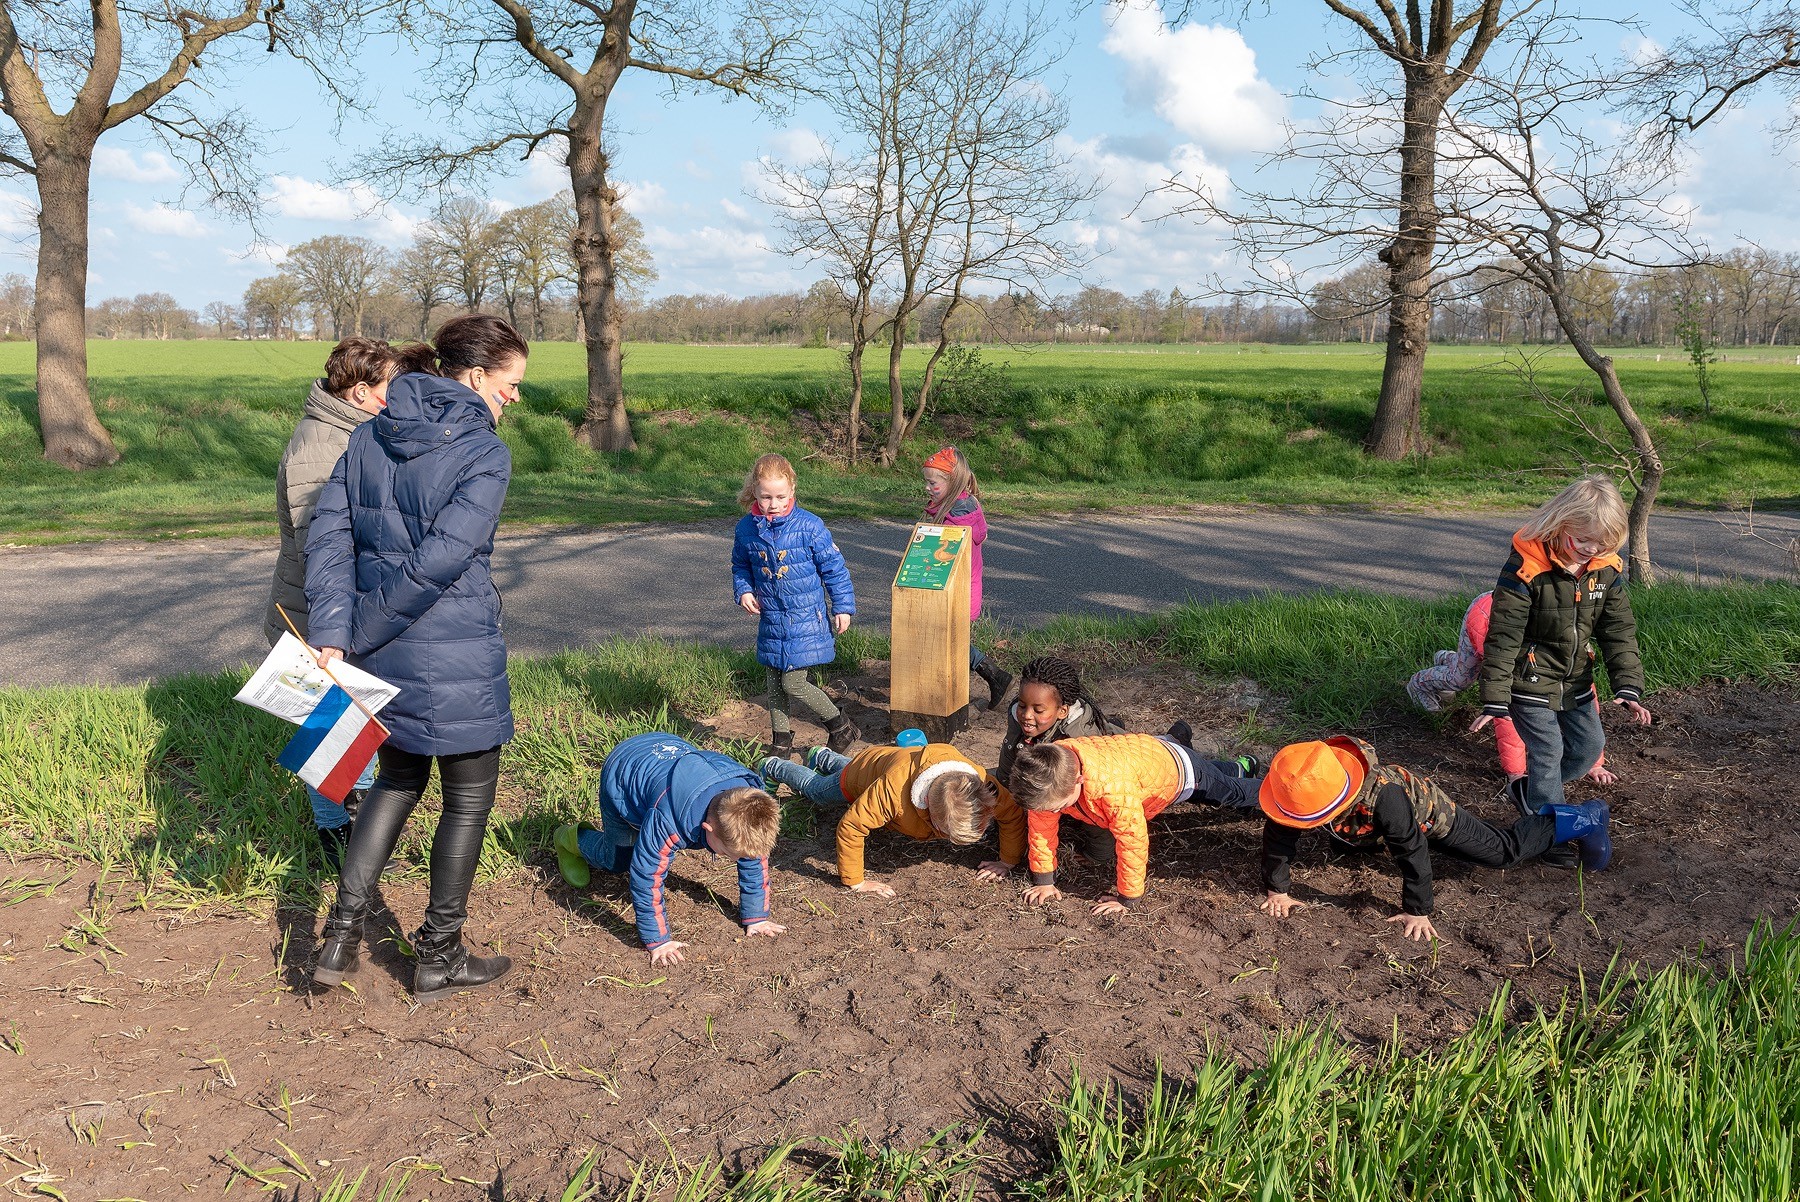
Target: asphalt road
point(120, 613)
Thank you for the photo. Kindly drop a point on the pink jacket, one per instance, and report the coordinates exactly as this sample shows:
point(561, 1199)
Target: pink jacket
point(966, 511)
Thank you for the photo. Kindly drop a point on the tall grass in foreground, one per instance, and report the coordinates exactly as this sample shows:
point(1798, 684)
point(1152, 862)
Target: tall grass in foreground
point(1683, 1085)
point(178, 783)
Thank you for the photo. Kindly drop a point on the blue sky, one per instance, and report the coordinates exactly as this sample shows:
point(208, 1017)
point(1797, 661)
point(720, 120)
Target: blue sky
point(1146, 100)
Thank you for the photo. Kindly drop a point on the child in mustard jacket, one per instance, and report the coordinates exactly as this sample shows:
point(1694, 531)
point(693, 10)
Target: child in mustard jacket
point(929, 792)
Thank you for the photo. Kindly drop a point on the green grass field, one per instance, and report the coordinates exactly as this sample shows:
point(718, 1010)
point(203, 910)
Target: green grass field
point(202, 425)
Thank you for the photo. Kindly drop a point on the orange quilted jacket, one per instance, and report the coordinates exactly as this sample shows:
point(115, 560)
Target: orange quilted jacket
point(1126, 781)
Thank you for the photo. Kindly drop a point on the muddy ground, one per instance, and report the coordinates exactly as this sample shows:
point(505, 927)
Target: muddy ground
point(142, 1062)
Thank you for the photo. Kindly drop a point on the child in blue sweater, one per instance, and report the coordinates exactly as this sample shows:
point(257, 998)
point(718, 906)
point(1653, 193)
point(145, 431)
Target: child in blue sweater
point(786, 570)
point(660, 794)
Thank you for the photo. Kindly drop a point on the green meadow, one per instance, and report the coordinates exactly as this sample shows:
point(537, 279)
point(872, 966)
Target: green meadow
point(203, 424)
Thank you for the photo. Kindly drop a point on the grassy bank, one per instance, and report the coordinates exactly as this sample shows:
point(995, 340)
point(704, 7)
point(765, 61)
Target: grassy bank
point(202, 426)
point(176, 783)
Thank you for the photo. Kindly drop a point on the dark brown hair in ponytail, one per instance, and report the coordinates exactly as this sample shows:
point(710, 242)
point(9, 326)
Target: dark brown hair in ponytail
point(466, 342)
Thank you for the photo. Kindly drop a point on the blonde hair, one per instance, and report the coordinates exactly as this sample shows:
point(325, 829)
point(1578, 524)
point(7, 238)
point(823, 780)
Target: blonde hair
point(1592, 505)
point(1043, 775)
point(960, 805)
point(746, 821)
point(768, 467)
point(962, 480)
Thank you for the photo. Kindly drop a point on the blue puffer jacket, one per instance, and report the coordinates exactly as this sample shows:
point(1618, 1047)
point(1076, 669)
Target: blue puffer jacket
point(397, 565)
point(662, 785)
point(791, 565)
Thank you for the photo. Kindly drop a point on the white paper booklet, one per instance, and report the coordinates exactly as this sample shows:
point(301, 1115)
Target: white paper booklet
point(290, 683)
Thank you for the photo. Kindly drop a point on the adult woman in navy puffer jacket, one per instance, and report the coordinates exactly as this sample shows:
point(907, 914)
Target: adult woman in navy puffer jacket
point(398, 581)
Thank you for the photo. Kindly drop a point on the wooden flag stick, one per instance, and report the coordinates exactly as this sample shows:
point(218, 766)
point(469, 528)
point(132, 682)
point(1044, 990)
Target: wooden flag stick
point(326, 668)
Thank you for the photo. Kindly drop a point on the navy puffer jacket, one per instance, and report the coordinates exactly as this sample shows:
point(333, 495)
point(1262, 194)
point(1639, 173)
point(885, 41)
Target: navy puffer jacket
point(792, 567)
point(397, 565)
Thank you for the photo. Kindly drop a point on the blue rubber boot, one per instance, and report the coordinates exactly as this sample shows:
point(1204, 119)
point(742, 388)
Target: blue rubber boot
point(1585, 827)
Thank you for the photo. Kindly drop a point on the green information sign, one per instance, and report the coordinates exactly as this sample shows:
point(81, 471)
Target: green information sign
point(930, 556)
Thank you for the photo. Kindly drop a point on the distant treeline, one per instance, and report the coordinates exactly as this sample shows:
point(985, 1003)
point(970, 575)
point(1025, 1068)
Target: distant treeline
point(1749, 297)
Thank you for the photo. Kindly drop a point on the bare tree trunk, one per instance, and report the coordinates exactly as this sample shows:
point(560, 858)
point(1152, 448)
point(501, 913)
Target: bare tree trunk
point(605, 426)
point(1398, 429)
point(890, 451)
point(1649, 473)
point(858, 343)
point(73, 435)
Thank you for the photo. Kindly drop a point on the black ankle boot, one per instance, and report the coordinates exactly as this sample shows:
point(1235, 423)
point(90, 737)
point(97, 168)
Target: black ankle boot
point(998, 681)
point(780, 745)
point(1182, 733)
point(840, 734)
point(338, 956)
point(1560, 856)
point(332, 842)
point(445, 967)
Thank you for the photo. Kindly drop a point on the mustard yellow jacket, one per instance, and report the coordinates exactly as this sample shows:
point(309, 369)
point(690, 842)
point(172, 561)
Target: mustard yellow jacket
point(880, 785)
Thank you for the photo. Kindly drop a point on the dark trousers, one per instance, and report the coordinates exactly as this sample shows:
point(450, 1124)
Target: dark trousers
point(469, 781)
point(1479, 842)
point(1560, 746)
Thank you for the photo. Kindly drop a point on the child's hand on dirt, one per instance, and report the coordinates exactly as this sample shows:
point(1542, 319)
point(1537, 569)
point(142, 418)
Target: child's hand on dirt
point(765, 927)
point(1109, 903)
point(1639, 715)
point(993, 870)
point(840, 623)
point(749, 602)
point(878, 888)
point(1415, 926)
point(1037, 895)
point(667, 953)
point(1279, 905)
point(1601, 775)
point(1480, 723)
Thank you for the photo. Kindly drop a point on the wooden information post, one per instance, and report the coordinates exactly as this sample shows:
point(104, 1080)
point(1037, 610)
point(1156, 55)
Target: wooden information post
point(930, 661)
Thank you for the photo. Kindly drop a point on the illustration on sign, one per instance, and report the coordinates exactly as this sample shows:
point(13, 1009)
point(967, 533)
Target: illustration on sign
point(929, 557)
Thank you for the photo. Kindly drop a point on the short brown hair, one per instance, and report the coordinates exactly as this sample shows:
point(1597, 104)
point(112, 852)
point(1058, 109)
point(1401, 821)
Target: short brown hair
point(359, 360)
point(1043, 775)
point(746, 821)
point(767, 467)
point(960, 805)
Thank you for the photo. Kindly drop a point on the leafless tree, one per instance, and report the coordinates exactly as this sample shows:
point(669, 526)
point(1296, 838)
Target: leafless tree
point(534, 253)
point(1375, 184)
point(421, 275)
point(462, 233)
point(953, 176)
point(1530, 176)
point(18, 306)
point(272, 305)
point(582, 49)
point(224, 317)
point(337, 276)
point(1744, 46)
point(149, 51)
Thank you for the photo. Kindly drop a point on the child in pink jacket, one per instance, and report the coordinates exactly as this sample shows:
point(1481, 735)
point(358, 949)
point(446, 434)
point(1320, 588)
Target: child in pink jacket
point(1456, 670)
point(953, 498)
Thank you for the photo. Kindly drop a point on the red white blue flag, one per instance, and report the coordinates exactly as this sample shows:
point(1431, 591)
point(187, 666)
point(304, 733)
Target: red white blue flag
point(334, 744)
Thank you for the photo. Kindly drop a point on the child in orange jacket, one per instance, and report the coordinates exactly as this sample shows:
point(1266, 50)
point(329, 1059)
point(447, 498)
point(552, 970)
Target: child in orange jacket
point(929, 792)
point(1113, 785)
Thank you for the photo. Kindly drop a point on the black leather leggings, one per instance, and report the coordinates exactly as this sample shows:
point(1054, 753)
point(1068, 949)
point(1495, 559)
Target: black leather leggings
point(469, 781)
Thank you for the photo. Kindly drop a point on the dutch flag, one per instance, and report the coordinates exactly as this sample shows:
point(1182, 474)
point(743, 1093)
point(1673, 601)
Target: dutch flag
point(334, 745)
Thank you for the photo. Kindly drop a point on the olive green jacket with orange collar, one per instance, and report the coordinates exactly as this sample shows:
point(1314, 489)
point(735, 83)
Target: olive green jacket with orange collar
point(886, 787)
point(1126, 780)
point(1538, 631)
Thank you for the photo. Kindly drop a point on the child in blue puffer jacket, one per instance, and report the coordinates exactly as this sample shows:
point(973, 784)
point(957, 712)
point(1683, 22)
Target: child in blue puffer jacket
point(786, 569)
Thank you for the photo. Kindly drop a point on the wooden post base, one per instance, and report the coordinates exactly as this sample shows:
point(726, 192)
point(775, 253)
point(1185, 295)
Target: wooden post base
point(937, 728)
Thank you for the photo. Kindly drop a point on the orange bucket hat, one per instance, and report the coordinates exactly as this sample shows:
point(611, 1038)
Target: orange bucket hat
point(942, 460)
point(1309, 784)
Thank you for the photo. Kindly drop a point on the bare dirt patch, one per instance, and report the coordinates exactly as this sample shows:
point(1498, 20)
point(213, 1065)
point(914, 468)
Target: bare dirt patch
point(140, 1063)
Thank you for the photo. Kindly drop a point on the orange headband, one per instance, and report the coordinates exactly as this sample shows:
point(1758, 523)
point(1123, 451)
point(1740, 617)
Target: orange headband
point(943, 461)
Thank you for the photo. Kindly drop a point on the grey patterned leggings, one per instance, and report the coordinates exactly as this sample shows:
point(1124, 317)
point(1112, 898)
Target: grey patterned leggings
point(791, 686)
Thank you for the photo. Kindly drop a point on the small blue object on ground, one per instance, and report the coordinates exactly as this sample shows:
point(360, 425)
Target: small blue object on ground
point(912, 736)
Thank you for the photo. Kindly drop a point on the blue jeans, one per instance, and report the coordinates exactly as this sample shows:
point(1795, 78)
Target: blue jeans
point(823, 788)
point(328, 815)
point(1560, 746)
point(609, 848)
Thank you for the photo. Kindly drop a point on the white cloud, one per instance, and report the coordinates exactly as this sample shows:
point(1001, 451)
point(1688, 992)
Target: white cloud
point(151, 167)
point(261, 254)
point(1201, 79)
point(643, 198)
point(354, 204)
point(165, 221)
point(1139, 237)
point(711, 259)
point(18, 216)
point(546, 171)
